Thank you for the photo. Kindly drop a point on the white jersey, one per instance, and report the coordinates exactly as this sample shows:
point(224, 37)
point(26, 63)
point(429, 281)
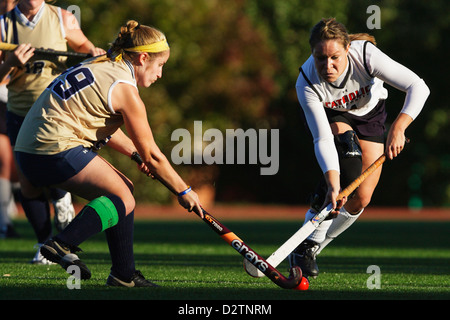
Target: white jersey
point(357, 91)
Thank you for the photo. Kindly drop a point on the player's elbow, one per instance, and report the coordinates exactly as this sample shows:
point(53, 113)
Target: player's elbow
point(155, 160)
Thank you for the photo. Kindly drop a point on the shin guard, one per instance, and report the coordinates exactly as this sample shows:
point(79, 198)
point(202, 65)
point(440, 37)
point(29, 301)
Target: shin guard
point(350, 157)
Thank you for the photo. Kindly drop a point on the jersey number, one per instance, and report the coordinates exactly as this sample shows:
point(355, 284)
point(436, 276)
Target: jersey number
point(34, 67)
point(75, 81)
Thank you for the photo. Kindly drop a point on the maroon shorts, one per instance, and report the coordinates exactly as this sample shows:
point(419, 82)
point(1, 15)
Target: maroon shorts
point(368, 127)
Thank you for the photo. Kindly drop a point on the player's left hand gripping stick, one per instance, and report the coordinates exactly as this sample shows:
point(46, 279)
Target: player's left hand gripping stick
point(295, 274)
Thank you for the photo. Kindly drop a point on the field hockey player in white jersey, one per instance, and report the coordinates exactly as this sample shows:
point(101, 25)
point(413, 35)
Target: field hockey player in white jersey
point(82, 109)
point(340, 90)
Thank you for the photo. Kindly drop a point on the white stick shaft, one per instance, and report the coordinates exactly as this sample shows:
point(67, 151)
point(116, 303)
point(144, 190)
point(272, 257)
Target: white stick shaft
point(278, 256)
point(282, 252)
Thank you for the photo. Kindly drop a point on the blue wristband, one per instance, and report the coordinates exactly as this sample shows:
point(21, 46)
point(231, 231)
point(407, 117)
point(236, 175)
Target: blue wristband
point(182, 193)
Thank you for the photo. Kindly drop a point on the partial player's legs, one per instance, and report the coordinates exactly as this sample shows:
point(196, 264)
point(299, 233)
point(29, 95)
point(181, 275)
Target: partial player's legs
point(111, 210)
point(6, 195)
point(371, 152)
point(348, 146)
point(355, 206)
point(107, 192)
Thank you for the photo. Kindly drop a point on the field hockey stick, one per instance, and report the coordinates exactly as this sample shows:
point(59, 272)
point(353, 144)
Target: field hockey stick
point(11, 47)
point(295, 274)
point(282, 252)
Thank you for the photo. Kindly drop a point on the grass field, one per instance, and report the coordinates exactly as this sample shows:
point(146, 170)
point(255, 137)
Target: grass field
point(190, 262)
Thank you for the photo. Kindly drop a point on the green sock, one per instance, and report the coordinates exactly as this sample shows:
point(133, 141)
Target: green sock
point(98, 215)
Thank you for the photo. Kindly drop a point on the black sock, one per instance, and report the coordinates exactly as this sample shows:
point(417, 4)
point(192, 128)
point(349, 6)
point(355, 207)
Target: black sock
point(86, 224)
point(89, 222)
point(37, 212)
point(120, 243)
point(56, 193)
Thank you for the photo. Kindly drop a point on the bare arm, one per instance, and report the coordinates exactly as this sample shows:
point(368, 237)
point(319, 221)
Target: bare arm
point(126, 100)
point(122, 143)
point(75, 36)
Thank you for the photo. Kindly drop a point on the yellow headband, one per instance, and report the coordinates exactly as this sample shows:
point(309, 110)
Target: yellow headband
point(155, 47)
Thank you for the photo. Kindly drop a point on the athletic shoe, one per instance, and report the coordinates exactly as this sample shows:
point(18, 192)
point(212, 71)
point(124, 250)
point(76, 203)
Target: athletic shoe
point(137, 280)
point(65, 257)
point(64, 212)
point(304, 256)
point(39, 258)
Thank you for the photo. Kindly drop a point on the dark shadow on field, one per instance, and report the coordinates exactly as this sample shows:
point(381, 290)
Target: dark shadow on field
point(410, 234)
point(401, 235)
point(355, 265)
point(207, 295)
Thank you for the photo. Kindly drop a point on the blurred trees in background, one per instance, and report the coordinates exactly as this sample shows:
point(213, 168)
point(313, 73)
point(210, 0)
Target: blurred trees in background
point(234, 64)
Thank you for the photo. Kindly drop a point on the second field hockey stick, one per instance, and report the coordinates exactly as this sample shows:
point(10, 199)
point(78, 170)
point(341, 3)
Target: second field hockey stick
point(11, 47)
point(295, 274)
point(282, 252)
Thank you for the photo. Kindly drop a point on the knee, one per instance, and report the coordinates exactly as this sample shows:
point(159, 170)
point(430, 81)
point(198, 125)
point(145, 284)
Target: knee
point(127, 197)
point(129, 203)
point(357, 203)
point(123, 205)
point(29, 191)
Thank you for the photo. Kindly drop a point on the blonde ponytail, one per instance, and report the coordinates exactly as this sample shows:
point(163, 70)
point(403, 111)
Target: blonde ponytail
point(134, 37)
